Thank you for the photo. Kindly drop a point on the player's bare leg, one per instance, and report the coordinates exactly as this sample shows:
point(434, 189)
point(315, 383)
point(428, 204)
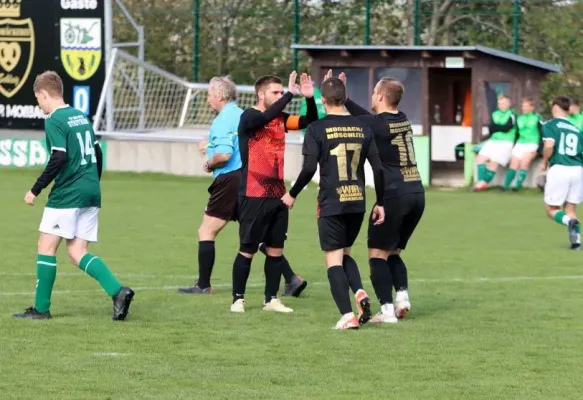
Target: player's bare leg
point(93, 266)
point(46, 273)
point(294, 283)
point(207, 233)
point(272, 269)
point(382, 282)
point(340, 289)
point(568, 218)
point(355, 282)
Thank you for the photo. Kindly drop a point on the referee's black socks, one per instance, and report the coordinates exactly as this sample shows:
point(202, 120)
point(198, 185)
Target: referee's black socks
point(272, 269)
point(241, 269)
point(339, 288)
point(286, 270)
point(381, 279)
point(206, 260)
point(352, 273)
point(398, 271)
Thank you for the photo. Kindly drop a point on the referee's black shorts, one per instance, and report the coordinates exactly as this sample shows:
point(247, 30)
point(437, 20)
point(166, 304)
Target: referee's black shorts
point(339, 231)
point(262, 220)
point(224, 191)
point(402, 214)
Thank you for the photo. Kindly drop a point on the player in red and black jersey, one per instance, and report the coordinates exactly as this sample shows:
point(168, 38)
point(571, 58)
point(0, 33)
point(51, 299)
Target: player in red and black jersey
point(263, 218)
point(340, 144)
point(404, 196)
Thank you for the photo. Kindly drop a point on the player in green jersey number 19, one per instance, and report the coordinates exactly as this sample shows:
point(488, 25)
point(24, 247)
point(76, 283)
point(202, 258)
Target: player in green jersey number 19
point(563, 151)
point(71, 212)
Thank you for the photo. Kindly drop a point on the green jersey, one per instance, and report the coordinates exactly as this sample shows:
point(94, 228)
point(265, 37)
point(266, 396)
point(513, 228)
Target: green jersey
point(77, 185)
point(568, 149)
point(528, 128)
point(502, 126)
point(577, 120)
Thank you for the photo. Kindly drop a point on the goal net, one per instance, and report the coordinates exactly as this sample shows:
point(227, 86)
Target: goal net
point(146, 98)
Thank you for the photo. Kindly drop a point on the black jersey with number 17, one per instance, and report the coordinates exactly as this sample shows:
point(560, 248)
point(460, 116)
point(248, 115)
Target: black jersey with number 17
point(342, 144)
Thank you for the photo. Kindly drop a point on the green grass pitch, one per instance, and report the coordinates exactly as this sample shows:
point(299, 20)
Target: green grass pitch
point(497, 307)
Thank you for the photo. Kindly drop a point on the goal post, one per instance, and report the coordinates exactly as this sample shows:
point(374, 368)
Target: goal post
point(147, 98)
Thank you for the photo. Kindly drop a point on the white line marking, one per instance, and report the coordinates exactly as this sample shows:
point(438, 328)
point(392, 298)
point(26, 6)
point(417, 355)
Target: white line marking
point(109, 354)
point(485, 279)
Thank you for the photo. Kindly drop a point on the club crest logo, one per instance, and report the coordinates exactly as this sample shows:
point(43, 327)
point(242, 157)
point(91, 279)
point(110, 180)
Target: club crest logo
point(16, 48)
point(81, 46)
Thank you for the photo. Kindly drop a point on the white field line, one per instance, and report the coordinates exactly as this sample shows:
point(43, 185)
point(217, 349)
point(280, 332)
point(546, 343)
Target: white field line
point(110, 354)
point(500, 279)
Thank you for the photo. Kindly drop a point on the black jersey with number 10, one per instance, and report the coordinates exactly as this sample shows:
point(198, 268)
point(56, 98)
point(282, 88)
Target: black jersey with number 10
point(394, 138)
point(342, 144)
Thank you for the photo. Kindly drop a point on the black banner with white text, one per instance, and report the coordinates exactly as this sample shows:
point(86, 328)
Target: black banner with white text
point(66, 36)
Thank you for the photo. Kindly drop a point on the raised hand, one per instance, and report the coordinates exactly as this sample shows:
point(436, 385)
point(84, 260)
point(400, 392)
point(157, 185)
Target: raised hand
point(328, 75)
point(292, 85)
point(342, 77)
point(306, 87)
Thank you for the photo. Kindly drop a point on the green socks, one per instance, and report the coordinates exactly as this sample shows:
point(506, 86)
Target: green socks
point(488, 175)
point(46, 272)
point(561, 218)
point(521, 177)
point(97, 269)
point(481, 172)
point(510, 174)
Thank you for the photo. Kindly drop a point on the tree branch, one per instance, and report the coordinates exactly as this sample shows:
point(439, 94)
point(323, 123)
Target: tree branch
point(492, 26)
point(453, 21)
point(445, 6)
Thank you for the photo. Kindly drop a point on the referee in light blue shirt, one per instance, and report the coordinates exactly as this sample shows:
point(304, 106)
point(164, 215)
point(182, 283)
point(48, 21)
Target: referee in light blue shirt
point(224, 161)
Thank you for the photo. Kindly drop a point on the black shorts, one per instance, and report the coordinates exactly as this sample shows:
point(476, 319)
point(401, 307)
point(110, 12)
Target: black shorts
point(223, 202)
point(339, 231)
point(262, 221)
point(402, 214)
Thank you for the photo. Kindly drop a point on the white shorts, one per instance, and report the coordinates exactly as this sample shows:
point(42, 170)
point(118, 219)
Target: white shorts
point(564, 184)
point(521, 149)
point(498, 151)
point(70, 223)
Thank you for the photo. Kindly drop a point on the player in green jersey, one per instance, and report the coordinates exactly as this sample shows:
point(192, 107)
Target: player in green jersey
point(525, 150)
point(498, 149)
point(563, 156)
point(74, 201)
point(575, 115)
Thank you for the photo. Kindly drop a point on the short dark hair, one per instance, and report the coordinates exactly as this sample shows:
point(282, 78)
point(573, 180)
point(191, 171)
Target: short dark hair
point(392, 89)
point(264, 81)
point(563, 102)
point(574, 100)
point(334, 92)
point(49, 81)
point(528, 100)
